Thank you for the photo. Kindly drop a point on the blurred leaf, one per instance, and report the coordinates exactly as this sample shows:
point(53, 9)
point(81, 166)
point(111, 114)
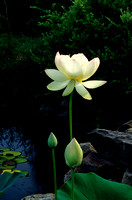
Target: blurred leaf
point(20, 160)
point(11, 153)
point(4, 149)
point(8, 179)
point(7, 167)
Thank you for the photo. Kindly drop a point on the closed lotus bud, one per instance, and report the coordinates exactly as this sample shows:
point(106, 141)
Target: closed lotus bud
point(73, 154)
point(52, 140)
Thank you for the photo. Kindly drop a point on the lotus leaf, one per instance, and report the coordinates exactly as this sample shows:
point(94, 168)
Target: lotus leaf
point(89, 186)
point(8, 179)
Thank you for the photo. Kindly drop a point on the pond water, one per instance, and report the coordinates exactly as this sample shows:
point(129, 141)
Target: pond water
point(13, 138)
point(39, 163)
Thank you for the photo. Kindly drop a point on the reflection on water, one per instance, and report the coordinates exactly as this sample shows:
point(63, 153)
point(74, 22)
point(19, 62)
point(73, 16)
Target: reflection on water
point(14, 139)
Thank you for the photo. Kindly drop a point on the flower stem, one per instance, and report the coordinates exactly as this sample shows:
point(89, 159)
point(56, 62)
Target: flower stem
point(54, 172)
point(70, 115)
point(72, 179)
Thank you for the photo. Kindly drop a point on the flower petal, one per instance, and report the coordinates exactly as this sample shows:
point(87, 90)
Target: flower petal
point(54, 86)
point(93, 84)
point(82, 91)
point(56, 75)
point(58, 61)
point(72, 68)
point(80, 58)
point(69, 88)
point(90, 68)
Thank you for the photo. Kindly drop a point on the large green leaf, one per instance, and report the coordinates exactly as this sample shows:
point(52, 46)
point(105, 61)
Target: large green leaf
point(7, 179)
point(89, 186)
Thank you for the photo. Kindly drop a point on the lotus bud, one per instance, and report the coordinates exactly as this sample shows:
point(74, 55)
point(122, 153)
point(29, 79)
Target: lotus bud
point(52, 140)
point(73, 154)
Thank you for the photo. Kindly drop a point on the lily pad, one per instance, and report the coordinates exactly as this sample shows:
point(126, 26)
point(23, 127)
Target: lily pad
point(11, 153)
point(7, 167)
point(22, 156)
point(9, 157)
point(2, 159)
point(89, 186)
point(20, 160)
point(9, 163)
point(4, 149)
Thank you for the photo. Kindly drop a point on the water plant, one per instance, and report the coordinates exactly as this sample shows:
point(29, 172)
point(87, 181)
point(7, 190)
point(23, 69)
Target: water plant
point(8, 161)
point(52, 143)
point(89, 186)
point(72, 72)
point(73, 157)
point(8, 178)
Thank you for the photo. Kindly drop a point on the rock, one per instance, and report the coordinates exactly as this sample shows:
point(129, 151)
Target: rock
point(112, 145)
point(93, 162)
point(127, 177)
point(129, 130)
point(124, 127)
point(48, 196)
point(87, 148)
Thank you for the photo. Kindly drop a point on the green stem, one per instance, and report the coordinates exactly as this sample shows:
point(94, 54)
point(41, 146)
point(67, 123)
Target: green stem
point(72, 179)
point(70, 115)
point(54, 171)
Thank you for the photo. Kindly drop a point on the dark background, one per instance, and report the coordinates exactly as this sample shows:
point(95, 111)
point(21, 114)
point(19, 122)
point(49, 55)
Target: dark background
point(31, 32)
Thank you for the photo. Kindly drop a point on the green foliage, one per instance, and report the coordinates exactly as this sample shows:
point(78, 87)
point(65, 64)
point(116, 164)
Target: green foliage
point(89, 186)
point(8, 179)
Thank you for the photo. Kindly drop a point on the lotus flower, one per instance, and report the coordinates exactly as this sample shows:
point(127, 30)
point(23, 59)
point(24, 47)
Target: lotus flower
point(73, 154)
point(72, 72)
point(52, 140)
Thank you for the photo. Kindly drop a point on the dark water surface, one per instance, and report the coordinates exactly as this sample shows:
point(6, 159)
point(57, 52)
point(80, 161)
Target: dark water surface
point(14, 139)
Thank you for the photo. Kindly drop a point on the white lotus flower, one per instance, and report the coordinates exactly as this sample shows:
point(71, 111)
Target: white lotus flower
point(72, 73)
